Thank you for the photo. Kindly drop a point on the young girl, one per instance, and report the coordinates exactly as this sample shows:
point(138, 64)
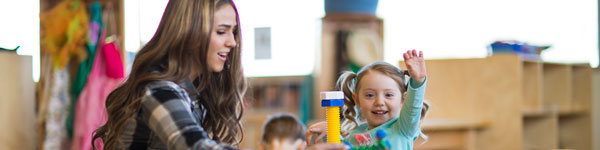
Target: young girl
point(185, 86)
point(386, 100)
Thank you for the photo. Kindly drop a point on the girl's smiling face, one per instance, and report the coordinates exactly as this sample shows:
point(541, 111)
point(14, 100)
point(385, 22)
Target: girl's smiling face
point(378, 97)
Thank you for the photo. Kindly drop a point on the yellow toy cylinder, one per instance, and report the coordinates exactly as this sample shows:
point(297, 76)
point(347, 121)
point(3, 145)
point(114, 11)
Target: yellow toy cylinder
point(333, 124)
point(332, 100)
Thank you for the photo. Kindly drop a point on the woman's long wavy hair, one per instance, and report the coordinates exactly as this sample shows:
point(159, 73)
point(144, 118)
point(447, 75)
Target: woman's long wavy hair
point(349, 82)
point(179, 48)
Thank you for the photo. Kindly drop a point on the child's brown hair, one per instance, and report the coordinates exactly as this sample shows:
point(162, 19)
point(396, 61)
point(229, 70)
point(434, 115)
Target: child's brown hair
point(283, 126)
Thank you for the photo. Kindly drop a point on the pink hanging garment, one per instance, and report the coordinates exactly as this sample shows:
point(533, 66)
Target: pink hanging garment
point(90, 112)
point(114, 63)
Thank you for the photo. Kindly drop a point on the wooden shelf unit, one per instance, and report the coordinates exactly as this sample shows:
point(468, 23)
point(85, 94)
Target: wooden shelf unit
point(582, 77)
point(450, 134)
point(557, 87)
point(325, 74)
point(532, 86)
point(267, 96)
point(540, 131)
point(529, 104)
point(17, 102)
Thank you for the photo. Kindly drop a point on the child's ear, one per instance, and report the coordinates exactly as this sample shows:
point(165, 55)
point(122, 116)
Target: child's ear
point(302, 145)
point(354, 98)
point(261, 146)
point(403, 96)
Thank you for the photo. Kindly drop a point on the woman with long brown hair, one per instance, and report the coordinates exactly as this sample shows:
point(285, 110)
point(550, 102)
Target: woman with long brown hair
point(186, 85)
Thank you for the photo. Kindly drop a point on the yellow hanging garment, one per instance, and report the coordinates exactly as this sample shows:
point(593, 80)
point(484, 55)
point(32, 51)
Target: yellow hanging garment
point(64, 32)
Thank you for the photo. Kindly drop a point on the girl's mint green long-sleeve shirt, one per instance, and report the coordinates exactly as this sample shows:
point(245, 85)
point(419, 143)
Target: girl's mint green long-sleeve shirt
point(403, 130)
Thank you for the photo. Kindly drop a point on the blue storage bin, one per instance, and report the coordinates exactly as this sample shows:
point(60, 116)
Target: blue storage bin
point(351, 6)
point(516, 47)
point(530, 52)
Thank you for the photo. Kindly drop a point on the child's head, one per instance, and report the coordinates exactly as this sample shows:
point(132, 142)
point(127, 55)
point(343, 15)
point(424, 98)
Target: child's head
point(378, 90)
point(283, 131)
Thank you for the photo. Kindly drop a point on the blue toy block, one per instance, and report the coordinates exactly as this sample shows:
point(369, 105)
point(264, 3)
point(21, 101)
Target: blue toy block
point(380, 134)
point(332, 102)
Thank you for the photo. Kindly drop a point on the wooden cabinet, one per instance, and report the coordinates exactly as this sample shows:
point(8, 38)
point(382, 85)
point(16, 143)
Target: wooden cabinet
point(450, 134)
point(526, 104)
point(16, 102)
point(270, 95)
point(326, 73)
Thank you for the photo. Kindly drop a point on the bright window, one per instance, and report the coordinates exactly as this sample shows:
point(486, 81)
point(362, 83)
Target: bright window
point(294, 32)
point(21, 27)
point(295, 35)
point(464, 28)
point(443, 29)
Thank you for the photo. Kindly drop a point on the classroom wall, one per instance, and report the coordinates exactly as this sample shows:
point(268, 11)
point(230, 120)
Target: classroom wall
point(596, 110)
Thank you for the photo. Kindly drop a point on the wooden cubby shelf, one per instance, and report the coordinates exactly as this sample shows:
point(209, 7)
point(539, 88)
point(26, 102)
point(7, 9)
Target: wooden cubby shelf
point(528, 104)
point(532, 86)
point(557, 87)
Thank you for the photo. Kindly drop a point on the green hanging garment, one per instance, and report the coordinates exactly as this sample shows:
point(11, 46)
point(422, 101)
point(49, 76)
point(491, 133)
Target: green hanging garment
point(95, 30)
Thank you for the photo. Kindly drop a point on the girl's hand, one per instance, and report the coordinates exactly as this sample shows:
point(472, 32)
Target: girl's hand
point(319, 129)
point(328, 146)
point(415, 65)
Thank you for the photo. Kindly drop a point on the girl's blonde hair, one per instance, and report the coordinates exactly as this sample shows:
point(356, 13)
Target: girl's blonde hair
point(349, 82)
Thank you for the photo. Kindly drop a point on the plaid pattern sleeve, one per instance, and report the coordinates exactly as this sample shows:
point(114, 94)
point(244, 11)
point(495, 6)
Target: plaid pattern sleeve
point(166, 109)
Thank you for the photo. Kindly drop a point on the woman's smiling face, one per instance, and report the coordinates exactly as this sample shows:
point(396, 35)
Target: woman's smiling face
point(222, 38)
